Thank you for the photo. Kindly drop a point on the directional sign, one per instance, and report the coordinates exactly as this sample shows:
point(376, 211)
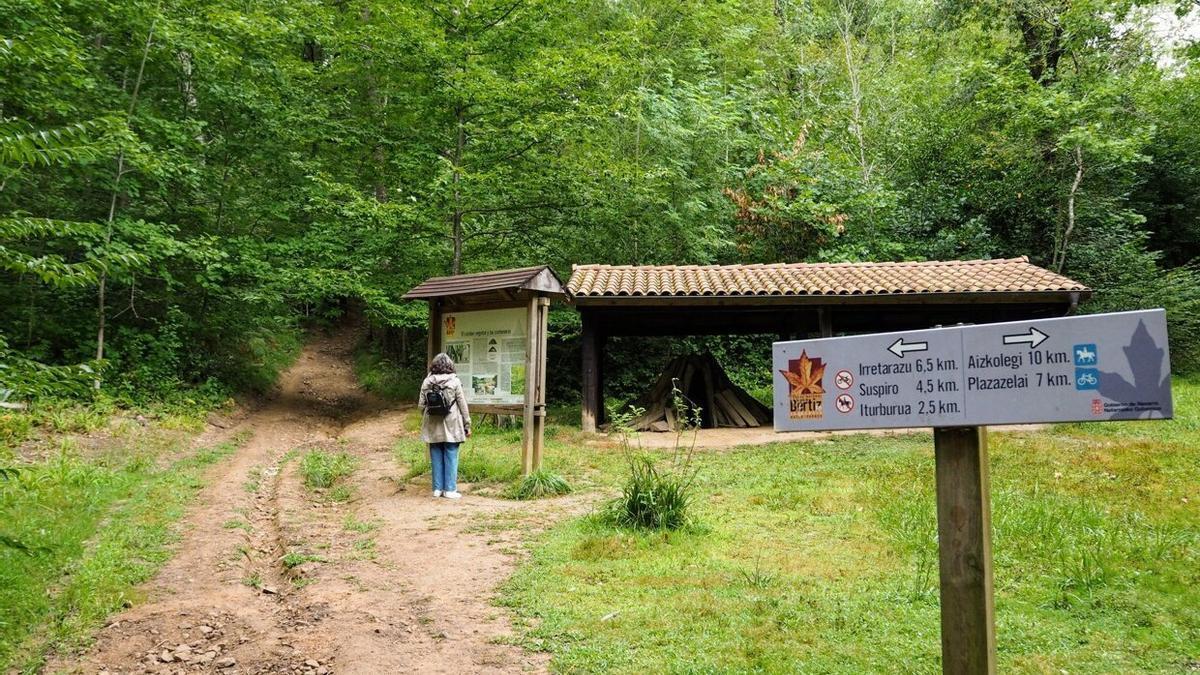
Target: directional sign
point(1085, 368)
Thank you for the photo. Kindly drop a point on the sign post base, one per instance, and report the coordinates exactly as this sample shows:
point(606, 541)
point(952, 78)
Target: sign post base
point(965, 550)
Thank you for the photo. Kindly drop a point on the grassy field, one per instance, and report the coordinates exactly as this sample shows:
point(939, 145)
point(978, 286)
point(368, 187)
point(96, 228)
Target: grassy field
point(84, 524)
point(822, 557)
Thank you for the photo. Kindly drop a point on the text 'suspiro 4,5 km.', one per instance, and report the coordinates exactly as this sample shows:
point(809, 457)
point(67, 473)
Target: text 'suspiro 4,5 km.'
point(1085, 368)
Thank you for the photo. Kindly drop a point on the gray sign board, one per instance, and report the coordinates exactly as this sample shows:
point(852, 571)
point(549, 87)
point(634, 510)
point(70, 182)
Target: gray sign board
point(1083, 368)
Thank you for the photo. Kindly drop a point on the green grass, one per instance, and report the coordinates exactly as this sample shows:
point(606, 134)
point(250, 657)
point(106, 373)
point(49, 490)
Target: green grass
point(488, 457)
point(491, 459)
point(822, 557)
point(352, 524)
point(293, 559)
point(97, 526)
point(323, 470)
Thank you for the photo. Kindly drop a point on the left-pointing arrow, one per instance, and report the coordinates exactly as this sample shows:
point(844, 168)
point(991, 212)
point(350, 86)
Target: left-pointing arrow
point(900, 347)
point(1033, 338)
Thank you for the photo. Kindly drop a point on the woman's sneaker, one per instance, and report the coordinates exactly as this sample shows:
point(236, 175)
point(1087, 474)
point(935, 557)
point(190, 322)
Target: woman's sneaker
point(437, 493)
point(452, 495)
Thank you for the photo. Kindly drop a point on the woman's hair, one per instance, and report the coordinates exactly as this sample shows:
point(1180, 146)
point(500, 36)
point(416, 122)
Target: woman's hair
point(441, 365)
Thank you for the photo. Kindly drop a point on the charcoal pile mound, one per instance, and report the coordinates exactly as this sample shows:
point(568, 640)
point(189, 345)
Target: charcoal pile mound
point(704, 383)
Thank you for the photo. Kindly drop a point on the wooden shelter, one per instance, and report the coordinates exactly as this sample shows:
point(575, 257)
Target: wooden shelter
point(798, 300)
point(528, 288)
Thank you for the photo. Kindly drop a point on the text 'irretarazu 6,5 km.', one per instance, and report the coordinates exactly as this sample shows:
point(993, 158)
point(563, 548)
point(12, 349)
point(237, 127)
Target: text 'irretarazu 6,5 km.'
point(1086, 368)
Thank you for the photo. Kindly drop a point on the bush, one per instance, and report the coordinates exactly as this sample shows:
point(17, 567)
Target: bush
point(322, 469)
point(651, 499)
point(540, 483)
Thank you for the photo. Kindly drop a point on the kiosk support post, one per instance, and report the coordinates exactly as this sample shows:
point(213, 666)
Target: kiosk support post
point(965, 550)
point(533, 436)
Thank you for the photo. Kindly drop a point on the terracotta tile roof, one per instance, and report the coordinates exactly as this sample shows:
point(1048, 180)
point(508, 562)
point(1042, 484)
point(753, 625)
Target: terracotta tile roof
point(540, 278)
point(1015, 275)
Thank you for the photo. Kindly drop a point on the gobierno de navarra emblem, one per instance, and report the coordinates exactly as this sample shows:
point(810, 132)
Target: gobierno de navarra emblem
point(805, 389)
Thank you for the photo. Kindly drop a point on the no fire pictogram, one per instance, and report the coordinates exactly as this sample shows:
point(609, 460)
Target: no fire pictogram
point(844, 403)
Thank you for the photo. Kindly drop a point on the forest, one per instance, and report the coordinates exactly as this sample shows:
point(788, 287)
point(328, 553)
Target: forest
point(185, 187)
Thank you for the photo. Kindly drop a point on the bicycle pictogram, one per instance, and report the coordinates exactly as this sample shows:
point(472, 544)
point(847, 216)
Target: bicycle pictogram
point(844, 379)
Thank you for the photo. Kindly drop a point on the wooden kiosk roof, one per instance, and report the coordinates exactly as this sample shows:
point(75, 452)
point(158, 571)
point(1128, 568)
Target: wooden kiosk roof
point(501, 287)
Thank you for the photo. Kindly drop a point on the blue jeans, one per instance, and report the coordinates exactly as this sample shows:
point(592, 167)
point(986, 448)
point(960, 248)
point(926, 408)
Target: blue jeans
point(443, 457)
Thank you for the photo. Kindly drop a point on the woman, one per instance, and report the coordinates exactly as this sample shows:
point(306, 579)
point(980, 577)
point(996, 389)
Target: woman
point(445, 423)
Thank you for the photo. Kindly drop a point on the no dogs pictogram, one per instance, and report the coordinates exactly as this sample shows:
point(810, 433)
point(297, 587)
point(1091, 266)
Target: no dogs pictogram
point(844, 403)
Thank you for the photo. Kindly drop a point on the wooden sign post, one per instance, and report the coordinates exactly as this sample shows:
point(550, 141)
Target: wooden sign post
point(1093, 368)
point(484, 321)
point(965, 550)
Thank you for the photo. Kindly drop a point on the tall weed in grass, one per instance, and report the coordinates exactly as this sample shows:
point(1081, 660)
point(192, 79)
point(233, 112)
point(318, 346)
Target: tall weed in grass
point(656, 497)
point(540, 483)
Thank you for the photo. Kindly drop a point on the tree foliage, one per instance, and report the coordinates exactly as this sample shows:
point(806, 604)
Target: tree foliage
point(193, 180)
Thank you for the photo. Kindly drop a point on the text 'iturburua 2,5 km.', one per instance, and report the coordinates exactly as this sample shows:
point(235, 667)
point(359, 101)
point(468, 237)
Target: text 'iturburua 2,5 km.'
point(1082, 368)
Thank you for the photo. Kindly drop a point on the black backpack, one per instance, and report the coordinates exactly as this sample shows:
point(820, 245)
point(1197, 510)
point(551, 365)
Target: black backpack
point(437, 402)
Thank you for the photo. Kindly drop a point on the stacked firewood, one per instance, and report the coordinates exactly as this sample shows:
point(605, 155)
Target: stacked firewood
point(703, 384)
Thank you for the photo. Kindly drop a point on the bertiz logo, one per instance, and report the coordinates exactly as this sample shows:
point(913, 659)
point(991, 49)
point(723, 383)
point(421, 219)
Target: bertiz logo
point(805, 390)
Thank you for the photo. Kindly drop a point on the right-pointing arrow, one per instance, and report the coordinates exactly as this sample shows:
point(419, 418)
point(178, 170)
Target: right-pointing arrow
point(1033, 338)
point(900, 347)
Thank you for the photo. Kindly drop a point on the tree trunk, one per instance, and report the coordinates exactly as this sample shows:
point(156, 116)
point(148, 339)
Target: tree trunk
point(456, 220)
point(846, 28)
point(101, 306)
point(378, 156)
point(1060, 256)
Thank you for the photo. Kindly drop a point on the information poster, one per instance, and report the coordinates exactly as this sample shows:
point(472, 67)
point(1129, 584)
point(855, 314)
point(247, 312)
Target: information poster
point(488, 350)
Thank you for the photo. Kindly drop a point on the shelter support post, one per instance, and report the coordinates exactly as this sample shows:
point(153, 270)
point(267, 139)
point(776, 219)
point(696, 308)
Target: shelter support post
point(825, 321)
point(965, 551)
point(593, 397)
point(434, 341)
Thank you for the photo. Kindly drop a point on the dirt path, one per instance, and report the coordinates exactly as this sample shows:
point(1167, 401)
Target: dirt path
point(393, 581)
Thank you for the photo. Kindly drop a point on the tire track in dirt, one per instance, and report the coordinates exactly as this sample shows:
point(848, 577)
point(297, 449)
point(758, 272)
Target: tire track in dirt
point(393, 581)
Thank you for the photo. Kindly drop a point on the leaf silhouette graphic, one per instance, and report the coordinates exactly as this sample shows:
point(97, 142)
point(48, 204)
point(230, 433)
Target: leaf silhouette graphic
point(1150, 384)
point(804, 375)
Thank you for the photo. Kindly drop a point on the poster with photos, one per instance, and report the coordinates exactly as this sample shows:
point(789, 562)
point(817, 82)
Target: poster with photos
point(488, 350)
